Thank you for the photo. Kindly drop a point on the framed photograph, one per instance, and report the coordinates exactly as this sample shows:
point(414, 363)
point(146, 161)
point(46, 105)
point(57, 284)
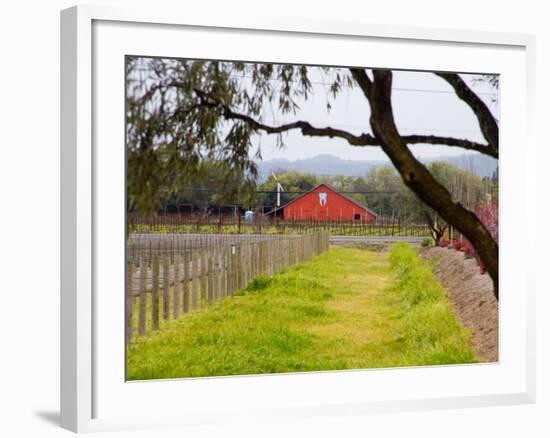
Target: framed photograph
point(268, 219)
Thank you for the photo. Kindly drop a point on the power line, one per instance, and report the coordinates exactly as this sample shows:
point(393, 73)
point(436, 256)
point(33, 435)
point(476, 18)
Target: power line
point(364, 192)
point(406, 89)
point(327, 84)
point(268, 171)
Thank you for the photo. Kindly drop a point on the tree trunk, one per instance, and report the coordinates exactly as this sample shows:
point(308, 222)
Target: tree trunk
point(436, 235)
point(418, 178)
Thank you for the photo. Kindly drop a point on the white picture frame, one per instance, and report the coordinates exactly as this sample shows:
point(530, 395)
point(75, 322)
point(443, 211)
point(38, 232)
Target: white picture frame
point(92, 392)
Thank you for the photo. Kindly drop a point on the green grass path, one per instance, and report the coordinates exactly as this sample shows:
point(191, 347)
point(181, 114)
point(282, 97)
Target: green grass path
point(345, 309)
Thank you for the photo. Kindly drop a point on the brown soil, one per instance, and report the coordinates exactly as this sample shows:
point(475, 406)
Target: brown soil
point(471, 294)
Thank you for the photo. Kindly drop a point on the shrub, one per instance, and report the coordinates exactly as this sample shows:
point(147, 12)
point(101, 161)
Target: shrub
point(458, 245)
point(469, 251)
point(259, 283)
point(443, 243)
point(488, 214)
point(427, 242)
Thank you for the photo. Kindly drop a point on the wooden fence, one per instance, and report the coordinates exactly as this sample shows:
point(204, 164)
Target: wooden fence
point(164, 280)
point(162, 243)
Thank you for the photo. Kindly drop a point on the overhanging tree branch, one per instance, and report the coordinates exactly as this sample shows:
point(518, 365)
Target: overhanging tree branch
point(450, 141)
point(487, 122)
point(355, 140)
point(361, 77)
point(305, 127)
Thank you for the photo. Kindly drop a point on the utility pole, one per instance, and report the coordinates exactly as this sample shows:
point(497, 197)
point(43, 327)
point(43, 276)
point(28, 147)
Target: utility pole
point(279, 190)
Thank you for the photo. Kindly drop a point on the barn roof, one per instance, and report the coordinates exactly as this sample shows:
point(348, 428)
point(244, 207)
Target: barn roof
point(330, 188)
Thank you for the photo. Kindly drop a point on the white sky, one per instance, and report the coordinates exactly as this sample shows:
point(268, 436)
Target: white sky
point(423, 103)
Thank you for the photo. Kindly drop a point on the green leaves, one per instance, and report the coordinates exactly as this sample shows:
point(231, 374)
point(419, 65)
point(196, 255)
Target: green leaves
point(175, 117)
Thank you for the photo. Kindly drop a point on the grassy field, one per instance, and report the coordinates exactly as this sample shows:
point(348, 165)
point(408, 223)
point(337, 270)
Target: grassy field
point(345, 309)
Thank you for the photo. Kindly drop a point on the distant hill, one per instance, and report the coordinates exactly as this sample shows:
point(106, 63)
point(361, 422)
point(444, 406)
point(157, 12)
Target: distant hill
point(481, 165)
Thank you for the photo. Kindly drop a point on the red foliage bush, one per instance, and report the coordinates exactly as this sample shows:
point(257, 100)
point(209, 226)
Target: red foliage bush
point(488, 214)
point(469, 250)
point(458, 244)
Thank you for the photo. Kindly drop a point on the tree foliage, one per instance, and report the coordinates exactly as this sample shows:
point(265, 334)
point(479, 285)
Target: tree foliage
point(293, 182)
point(213, 183)
point(465, 188)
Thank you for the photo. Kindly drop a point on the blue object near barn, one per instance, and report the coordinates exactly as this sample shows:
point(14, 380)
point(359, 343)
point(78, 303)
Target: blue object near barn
point(248, 215)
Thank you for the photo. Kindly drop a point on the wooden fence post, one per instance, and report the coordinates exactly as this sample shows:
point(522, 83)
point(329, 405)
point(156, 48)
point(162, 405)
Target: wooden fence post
point(235, 268)
point(155, 293)
point(218, 288)
point(270, 253)
point(223, 276)
point(210, 264)
point(257, 259)
point(185, 282)
point(165, 286)
point(218, 271)
point(202, 254)
point(142, 296)
point(231, 270)
point(238, 267)
point(129, 301)
point(195, 276)
point(247, 261)
point(177, 304)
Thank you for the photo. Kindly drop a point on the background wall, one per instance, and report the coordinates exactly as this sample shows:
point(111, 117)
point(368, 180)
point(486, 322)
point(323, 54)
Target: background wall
point(29, 216)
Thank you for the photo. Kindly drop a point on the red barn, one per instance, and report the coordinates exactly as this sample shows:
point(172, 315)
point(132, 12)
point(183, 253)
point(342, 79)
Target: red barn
point(324, 203)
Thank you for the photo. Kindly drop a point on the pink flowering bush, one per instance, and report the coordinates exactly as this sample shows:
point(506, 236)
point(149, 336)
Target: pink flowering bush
point(458, 244)
point(488, 214)
point(469, 250)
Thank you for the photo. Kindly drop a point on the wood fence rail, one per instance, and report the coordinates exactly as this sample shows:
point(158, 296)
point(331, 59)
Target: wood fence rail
point(173, 280)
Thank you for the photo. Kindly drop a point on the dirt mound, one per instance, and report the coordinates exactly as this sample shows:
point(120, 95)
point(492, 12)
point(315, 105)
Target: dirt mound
point(471, 294)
